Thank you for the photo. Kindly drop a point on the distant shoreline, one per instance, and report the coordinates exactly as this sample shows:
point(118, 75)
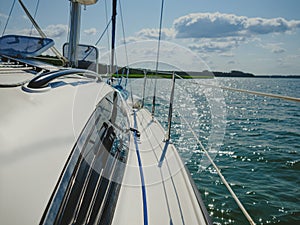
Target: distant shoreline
point(264, 76)
point(277, 76)
point(241, 74)
point(139, 72)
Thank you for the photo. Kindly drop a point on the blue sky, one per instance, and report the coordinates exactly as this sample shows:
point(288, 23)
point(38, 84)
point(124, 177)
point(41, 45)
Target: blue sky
point(257, 36)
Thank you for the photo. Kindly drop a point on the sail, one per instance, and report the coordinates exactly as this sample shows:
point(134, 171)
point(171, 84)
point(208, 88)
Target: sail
point(86, 2)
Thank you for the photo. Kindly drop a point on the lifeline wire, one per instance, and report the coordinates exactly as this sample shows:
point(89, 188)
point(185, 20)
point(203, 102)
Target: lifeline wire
point(221, 175)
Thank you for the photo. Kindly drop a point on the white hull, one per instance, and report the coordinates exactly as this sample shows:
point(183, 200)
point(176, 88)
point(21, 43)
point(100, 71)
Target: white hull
point(41, 134)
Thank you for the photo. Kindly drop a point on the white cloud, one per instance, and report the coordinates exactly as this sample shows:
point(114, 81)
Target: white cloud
point(278, 50)
point(227, 54)
point(208, 25)
point(274, 47)
point(266, 26)
point(231, 62)
point(219, 45)
point(219, 32)
point(290, 62)
point(2, 15)
point(56, 31)
point(213, 46)
point(52, 31)
point(154, 34)
point(144, 54)
point(91, 31)
point(215, 25)
point(150, 34)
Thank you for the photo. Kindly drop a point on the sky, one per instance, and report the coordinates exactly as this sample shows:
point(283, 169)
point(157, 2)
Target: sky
point(257, 36)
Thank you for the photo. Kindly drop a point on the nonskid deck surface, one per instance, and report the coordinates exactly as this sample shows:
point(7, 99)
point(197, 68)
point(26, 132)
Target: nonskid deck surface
point(153, 194)
point(15, 71)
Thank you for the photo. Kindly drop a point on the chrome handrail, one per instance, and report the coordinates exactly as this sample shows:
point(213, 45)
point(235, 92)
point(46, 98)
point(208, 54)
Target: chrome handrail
point(44, 79)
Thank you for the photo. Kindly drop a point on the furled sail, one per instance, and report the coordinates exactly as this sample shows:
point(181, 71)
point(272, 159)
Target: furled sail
point(86, 2)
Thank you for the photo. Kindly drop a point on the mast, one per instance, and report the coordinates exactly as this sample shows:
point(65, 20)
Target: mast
point(74, 33)
point(113, 36)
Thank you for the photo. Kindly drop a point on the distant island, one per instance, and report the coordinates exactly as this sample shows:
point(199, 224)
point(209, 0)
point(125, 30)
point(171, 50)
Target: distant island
point(236, 73)
point(233, 73)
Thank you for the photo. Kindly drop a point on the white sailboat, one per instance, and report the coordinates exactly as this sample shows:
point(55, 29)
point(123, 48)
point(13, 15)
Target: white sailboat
point(88, 158)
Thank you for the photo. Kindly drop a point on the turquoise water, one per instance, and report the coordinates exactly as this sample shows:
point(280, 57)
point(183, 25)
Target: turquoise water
point(259, 155)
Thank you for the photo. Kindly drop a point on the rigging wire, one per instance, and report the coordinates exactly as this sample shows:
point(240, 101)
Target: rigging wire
point(101, 36)
point(157, 57)
point(244, 211)
point(97, 42)
point(108, 38)
point(8, 18)
point(123, 31)
point(113, 34)
point(125, 45)
point(36, 9)
point(43, 35)
point(220, 174)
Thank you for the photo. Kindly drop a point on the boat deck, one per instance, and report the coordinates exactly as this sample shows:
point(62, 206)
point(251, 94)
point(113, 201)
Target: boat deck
point(155, 188)
point(156, 191)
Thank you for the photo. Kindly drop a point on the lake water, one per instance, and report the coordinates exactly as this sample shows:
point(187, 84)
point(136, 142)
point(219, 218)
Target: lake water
point(258, 147)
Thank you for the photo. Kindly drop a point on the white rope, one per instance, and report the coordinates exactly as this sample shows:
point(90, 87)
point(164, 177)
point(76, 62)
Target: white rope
point(221, 176)
point(249, 92)
point(256, 93)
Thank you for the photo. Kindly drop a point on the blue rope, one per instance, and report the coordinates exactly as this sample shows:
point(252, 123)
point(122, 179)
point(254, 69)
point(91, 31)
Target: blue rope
point(145, 211)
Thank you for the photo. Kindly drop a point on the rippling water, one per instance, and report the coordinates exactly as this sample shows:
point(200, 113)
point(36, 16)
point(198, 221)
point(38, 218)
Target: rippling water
point(259, 155)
